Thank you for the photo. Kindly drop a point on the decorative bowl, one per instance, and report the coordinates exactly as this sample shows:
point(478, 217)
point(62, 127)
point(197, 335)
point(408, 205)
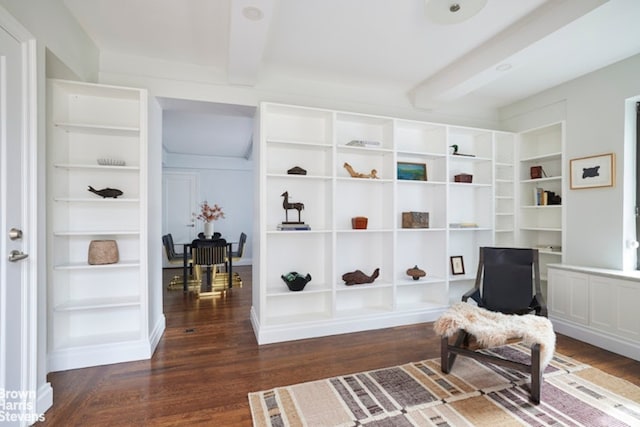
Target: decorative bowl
point(110, 162)
point(416, 273)
point(295, 281)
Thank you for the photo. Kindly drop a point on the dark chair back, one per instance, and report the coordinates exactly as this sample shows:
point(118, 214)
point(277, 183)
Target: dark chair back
point(241, 244)
point(209, 252)
point(167, 246)
point(508, 281)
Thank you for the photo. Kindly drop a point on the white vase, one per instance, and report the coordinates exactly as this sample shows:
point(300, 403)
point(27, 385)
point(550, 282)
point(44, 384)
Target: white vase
point(208, 230)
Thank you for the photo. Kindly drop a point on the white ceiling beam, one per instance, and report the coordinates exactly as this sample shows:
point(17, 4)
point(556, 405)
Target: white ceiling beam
point(478, 68)
point(249, 26)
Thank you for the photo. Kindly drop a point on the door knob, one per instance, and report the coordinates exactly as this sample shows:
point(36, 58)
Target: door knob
point(15, 255)
point(15, 234)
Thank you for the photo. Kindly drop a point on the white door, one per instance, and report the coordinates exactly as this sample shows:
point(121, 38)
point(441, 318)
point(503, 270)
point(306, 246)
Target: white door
point(179, 189)
point(18, 333)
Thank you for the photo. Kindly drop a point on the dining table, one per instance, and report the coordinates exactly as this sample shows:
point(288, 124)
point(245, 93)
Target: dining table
point(186, 254)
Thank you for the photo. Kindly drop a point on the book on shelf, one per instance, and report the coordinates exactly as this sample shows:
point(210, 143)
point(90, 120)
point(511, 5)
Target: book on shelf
point(542, 197)
point(463, 225)
point(290, 227)
point(363, 143)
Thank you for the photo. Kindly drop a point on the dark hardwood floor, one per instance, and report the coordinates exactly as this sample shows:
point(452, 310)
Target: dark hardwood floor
point(208, 360)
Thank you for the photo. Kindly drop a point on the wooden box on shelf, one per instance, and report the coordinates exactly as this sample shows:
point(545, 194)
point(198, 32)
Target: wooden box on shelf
point(359, 222)
point(415, 219)
point(463, 177)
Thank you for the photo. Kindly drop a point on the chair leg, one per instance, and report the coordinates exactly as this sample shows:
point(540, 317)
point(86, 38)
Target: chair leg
point(444, 355)
point(536, 373)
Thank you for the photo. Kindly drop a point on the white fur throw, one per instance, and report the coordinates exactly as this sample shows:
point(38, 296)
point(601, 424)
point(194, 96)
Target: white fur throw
point(492, 329)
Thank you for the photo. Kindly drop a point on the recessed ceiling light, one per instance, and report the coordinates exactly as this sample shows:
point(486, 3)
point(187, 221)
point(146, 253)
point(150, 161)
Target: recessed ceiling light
point(451, 11)
point(504, 67)
point(252, 13)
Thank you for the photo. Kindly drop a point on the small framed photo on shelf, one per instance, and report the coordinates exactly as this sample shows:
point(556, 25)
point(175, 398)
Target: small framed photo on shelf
point(412, 171)
point(592, 171)
point(457, 265)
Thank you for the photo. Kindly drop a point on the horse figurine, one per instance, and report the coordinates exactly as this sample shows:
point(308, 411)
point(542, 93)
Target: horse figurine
point(286, 205)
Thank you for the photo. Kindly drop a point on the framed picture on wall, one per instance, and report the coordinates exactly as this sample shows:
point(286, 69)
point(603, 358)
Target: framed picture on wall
point(592, 171)
point(412, 171)
point(457, 265)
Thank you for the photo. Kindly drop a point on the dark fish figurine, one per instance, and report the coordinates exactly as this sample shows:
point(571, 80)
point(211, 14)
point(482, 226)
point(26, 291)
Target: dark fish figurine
point(106, 192)
point(358, 277)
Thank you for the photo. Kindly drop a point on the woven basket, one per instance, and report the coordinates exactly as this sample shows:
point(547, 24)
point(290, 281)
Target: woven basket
point(103, 252)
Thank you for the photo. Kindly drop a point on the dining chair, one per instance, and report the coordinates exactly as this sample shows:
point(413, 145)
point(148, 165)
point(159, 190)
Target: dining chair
point(174, 259)
point(209, 254)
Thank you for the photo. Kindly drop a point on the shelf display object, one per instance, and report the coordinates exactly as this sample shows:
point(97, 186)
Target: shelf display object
point(96, 143)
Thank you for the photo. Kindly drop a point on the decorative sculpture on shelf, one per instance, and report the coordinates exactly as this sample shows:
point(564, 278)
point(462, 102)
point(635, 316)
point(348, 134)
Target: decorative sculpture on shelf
point(297, 170)
point(106, 192)
point(354, 174)
point(287, 206)
point(358, 277)
point(295, 281)
point(416, 272)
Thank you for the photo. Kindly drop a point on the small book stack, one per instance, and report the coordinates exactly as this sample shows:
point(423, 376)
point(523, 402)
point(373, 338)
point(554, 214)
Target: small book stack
point(543, 197)
point(293, 227)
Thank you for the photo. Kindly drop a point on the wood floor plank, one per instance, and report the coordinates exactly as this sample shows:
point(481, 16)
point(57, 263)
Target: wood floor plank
point(208, 360)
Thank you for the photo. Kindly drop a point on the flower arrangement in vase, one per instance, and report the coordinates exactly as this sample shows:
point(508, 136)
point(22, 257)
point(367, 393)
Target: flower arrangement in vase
point(208, 214)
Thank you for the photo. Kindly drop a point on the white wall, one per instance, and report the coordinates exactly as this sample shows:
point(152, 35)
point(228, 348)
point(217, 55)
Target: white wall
point(154, 223)
point(599, 221)
point(56, 29)
point(227, 182)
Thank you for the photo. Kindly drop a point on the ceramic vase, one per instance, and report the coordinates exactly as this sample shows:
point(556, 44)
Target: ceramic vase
point(208, 230)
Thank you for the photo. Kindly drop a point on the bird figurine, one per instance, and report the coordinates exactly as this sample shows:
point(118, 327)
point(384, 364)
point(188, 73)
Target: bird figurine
point(106, 192)
point(358, 277)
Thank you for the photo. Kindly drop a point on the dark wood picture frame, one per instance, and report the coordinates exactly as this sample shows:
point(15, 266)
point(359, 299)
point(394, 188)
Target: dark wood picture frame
point(412, 171)
point(457, 265)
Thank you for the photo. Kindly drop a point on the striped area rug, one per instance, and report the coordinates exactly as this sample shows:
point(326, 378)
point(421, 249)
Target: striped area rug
point(474, 394)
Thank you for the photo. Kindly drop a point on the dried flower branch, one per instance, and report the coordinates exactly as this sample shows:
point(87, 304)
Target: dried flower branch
point(209, 213)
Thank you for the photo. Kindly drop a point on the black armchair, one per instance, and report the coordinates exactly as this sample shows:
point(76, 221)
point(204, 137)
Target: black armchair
point(509, 305)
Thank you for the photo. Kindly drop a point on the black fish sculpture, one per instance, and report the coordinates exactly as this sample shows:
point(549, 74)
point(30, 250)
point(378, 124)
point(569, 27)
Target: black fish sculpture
point(106, 192)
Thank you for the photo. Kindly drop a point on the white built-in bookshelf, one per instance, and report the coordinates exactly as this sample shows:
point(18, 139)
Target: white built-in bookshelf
point(462, 217)
point(97, 314)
